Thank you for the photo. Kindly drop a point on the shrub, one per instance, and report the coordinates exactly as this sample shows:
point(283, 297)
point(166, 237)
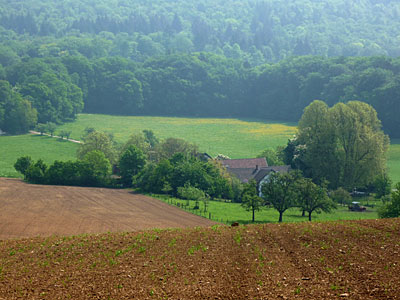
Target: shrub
point(190, 192)
point(391, 209)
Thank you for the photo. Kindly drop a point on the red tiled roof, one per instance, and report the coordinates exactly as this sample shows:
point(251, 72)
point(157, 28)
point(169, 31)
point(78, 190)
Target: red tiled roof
point(245, 163)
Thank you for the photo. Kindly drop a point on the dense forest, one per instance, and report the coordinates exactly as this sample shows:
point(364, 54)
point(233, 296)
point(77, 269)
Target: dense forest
point(254, 30)
point(259, 59)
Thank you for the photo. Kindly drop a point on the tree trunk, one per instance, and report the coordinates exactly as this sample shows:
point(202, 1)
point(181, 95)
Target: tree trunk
point(304, 213)
point(253, 214)
point(280, 216)
point(309, 215)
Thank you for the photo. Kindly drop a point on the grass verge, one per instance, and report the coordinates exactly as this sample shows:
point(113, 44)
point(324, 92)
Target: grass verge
point(226, 212)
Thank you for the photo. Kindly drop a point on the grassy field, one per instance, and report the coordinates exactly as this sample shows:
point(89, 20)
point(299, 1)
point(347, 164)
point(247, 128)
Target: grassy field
point(233, 212)
point(44, 147)
point(394, 160)
point(232, 137)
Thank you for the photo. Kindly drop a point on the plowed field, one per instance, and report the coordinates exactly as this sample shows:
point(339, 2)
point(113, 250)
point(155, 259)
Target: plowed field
point(338, 260)
point(30, 210)
point(331, 260)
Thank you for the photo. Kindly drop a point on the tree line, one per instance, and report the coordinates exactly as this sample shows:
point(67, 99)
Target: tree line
point(256, 31)
point(200, 84)
point(337, 149)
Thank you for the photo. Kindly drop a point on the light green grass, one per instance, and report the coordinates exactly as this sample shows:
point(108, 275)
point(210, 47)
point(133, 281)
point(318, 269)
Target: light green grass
point(44, 147)
point(394, 160)
point(233, 212)
point(232, 137)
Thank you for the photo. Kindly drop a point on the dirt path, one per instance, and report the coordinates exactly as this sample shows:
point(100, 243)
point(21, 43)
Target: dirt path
point(30, 210)
point(54, 136)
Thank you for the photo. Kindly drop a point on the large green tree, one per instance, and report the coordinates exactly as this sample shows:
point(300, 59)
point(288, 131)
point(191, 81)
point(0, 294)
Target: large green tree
point(250, 199)
point(16, 113)
point(281, 191)
point(130, 164)
point(313, 198)
point(96, 140)
point(343, 144)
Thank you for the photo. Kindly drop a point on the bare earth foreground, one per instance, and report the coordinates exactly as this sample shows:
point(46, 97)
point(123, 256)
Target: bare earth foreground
point(331, 260)
point(30, 210)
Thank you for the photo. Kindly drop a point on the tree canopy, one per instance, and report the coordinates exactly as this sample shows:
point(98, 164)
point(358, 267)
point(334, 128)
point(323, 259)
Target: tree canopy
point(343, 144)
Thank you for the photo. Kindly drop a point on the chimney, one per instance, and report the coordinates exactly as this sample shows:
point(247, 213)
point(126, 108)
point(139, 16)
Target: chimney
point(255, 170)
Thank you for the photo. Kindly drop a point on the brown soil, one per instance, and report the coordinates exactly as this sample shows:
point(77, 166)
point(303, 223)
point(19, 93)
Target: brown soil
point(330, 260)
point(337, 260)
point(30, 210)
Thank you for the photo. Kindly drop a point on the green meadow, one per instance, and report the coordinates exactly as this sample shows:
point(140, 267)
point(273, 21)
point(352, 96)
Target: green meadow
point(44, 147)
point(233, 137)
point(233, 212)
point(394, 160)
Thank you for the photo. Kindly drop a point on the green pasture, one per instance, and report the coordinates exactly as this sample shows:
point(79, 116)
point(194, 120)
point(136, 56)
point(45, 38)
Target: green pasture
point(394, 160)
point(228, 213)
point(233, 137)
point(44, 147)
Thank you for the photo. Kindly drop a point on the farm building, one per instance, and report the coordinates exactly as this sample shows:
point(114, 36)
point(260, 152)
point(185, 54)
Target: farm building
point(252, 168)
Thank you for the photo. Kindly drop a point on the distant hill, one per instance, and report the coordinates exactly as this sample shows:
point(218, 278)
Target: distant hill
point(265, 59)
point(254, 30)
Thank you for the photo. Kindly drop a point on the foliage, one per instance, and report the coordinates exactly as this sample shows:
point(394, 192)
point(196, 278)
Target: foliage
point(41, 128)
point(99, 164)
point(130, 164)
point(171, 146)
point(22, 164)
point(51, 128)
point(93, 170)
point(313, 198)
point(281, 190)
point(250, 199)
point(382, 185)
point(139, 141)
point(256, 31)
point(36, 172)
point(340, 195)
point(150, 138)
point(259, 59)
point(179, 171)
point(190, 192)
point(16, 113)
point(100, 141)
point(392, 209)
point(273, 157)
point(347, 136)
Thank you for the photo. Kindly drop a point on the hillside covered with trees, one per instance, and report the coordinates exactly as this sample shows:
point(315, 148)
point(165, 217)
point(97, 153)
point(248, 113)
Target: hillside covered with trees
point(257, 59)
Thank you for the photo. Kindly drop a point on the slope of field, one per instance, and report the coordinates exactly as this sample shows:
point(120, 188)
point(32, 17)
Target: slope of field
point(232, 137)
point(337, 260)
point(38, 147)
point(30, 210)
point(394, 160)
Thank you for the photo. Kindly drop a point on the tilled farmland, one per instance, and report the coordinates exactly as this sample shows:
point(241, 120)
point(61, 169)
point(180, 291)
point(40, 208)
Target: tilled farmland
point(335, 260)
point(28, 210)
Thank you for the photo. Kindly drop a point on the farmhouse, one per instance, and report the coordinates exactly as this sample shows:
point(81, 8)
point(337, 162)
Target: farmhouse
point(252, 168)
